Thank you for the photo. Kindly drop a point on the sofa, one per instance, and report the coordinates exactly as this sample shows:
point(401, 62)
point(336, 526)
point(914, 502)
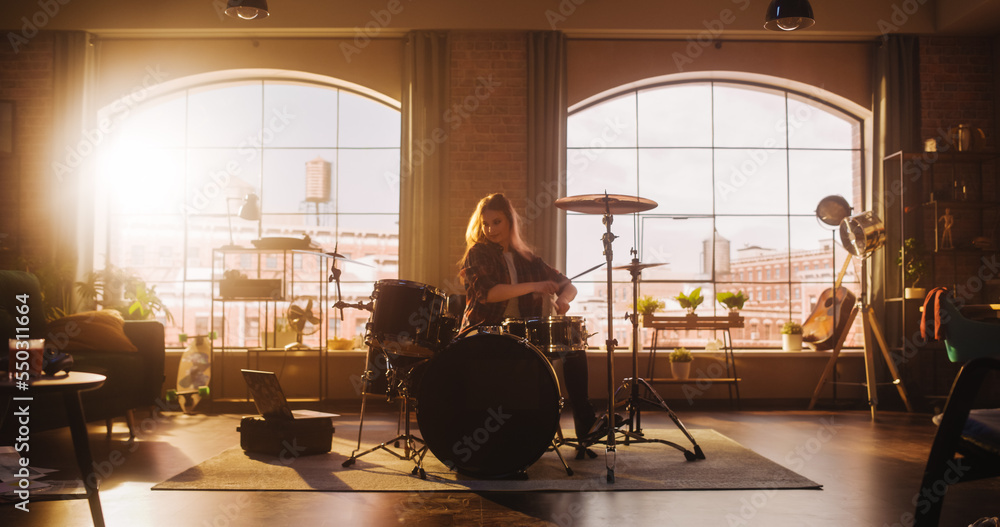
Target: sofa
point(133, 363)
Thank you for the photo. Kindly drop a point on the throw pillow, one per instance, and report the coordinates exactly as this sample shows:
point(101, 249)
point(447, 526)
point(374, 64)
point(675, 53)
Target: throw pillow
point(89, 331)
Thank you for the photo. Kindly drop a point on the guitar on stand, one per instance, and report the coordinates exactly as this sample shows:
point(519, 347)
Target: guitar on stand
point(608, 205)
point(831, 317)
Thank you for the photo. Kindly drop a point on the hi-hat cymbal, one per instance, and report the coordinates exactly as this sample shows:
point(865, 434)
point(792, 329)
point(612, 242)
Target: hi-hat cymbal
point(638, 266)
point(605, 204)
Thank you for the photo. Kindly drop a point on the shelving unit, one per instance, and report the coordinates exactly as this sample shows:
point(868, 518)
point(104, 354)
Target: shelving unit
point(270, 280)
point(694, 322)
point(919, 188)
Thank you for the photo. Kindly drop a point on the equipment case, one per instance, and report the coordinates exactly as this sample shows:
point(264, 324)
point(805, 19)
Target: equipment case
point(292, 437)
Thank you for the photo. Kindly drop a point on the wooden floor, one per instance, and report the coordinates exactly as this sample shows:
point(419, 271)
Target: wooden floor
point(870, 472)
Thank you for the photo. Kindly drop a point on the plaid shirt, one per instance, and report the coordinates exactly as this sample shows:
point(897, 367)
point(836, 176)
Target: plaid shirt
point(485, 267)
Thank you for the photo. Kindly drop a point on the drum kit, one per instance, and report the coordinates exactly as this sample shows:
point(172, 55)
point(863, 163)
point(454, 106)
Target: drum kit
point(487, 400)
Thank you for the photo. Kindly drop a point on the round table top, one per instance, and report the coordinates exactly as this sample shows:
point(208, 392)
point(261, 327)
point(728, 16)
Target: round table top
point(74, 380)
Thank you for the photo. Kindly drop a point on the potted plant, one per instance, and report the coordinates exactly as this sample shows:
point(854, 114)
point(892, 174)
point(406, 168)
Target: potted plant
point(648, 305)
point(791, 336)
point(690, 301)
point(680, 363)
point(732, 301)
point(123, 291)
point(55, 280)
point(911, 260)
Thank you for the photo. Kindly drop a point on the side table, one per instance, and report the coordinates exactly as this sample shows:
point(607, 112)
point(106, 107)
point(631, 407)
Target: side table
point(694, 322)
point(69, 385)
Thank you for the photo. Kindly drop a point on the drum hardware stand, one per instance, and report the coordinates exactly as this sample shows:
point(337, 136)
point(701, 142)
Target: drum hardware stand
point(602, 204)
point(410, 449)
point(633, 403)
point(610, 454)
point(367, 306)
point(559, 440)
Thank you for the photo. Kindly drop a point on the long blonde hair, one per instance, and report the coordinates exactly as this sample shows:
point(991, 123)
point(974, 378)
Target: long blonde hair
point(496, 202)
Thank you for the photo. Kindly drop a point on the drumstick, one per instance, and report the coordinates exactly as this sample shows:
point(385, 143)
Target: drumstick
point(587, 271)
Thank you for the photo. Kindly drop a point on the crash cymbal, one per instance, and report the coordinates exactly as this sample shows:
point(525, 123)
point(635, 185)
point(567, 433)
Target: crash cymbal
point(637, 266)
point(338, 256)
point(605, 203)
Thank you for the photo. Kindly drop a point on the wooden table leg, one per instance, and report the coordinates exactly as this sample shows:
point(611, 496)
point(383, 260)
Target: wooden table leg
point(84, 459)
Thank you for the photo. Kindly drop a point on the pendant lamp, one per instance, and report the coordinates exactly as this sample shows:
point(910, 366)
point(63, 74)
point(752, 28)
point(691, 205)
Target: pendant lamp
point(788, 15)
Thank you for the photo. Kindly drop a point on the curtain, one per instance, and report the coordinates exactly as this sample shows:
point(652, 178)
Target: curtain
point(423, 159)
point(547, 111)
point(75, 141)
point(896, 127)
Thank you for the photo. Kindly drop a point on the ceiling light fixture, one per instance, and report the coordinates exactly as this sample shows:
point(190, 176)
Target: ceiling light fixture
point(247, 9)
point(788, 15)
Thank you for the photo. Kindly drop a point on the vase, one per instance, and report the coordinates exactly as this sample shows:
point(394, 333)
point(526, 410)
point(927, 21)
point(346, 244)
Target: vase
point(791, 342)
point(680, 370)
point(914, 292)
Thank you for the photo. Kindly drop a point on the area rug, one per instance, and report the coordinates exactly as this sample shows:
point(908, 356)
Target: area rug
point(644, 466)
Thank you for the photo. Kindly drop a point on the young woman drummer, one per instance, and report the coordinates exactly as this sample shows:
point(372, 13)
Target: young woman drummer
point(504, 279)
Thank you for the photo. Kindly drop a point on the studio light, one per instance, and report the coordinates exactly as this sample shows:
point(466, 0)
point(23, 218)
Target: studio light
point(247, 9)
point(788, 15)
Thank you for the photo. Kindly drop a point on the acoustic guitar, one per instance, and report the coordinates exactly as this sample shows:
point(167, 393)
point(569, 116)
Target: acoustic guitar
point(829, 318)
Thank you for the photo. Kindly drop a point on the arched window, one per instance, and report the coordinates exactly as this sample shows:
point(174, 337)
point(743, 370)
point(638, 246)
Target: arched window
point(737, 169)
point(321, 156)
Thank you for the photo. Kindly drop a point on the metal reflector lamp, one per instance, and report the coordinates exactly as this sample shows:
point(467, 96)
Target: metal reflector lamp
point(788, 15)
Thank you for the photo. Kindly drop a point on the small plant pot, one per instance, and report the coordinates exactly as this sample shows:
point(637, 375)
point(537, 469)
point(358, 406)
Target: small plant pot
point(680, 370)
point(914, 292)
point(791, 342)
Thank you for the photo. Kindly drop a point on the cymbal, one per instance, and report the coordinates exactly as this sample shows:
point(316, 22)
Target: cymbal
point(605, 203)
point(636, 266)
point(338, 256)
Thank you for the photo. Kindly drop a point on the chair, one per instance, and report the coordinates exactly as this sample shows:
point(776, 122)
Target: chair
point(967, 339)
point(134, 379)
point(975, 434)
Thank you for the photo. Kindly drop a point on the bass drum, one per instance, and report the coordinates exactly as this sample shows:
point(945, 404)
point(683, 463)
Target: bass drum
point(488, 405)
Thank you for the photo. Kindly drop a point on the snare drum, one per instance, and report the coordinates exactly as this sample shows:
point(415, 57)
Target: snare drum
point(409, 319)
point(558, 334)
point(488, 405)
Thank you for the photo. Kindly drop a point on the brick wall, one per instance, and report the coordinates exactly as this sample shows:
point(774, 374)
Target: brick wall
point(26, 79)
point(488, 141)
point(957, 85)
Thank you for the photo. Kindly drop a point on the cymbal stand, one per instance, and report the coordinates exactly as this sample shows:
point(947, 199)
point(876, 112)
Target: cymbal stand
point(608, 238)
point(634, 420)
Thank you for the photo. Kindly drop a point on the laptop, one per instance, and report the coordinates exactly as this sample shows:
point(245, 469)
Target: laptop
point(270, 399)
